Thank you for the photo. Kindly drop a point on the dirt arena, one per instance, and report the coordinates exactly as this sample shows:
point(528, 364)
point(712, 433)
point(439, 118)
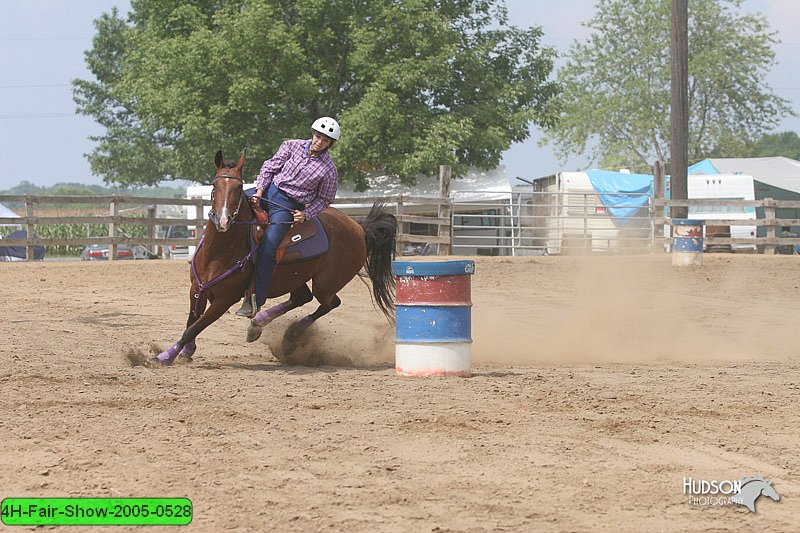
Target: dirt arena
point(599, 384)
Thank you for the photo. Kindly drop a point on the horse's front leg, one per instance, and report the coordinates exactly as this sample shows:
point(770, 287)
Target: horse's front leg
point(197, 306)
point(217, 308)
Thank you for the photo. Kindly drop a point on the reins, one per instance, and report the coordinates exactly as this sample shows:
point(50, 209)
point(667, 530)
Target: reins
point(239, 265)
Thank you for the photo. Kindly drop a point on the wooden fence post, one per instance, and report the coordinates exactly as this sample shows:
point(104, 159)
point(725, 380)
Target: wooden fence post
point(112, 229)
point(29, 254)
point(402, 227)
point(200, 220)
point(587, 250)
point(151, 230)
point(658, 211)
point(769, 216)
point(444, 211)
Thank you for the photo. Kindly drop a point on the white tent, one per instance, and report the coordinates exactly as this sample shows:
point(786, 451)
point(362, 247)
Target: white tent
point(5, 212)
point(477, 185)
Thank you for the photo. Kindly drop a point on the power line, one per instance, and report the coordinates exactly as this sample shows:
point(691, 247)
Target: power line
point(13, 39)
point(38, 115)
point(33, 86)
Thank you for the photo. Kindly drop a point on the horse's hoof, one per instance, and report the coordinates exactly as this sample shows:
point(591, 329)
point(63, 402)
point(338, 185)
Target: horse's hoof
point(184, 359)
point(253, 332)
point(154, 362)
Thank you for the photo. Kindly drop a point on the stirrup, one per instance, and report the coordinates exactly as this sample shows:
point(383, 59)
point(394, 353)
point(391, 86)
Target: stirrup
point(248, 308)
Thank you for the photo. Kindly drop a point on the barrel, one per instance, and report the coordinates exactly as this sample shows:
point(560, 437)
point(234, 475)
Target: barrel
point(433, 325)
point(687, 242)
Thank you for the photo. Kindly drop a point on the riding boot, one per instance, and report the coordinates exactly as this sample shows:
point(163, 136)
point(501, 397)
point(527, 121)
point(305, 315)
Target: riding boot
point(248, 308)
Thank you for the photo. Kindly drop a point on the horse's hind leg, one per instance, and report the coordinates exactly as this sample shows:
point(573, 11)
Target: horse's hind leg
point(297, 298)
point(297, 329)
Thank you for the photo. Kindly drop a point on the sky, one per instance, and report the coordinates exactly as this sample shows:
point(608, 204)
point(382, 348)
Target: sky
point(42, 49)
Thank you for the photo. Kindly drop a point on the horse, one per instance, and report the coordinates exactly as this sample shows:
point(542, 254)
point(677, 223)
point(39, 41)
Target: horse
point(222, 266)
point(752, 488)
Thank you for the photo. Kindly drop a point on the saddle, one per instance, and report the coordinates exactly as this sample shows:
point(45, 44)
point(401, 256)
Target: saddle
point(303, 241)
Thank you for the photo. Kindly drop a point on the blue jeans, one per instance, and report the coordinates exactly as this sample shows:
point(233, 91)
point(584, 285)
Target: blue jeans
point(279, 205)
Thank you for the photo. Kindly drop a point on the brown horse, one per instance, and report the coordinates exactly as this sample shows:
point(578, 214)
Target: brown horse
point(222, 269)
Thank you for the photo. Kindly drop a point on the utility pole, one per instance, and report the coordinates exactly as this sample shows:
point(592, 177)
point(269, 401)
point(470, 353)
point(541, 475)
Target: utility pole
point(679, 106)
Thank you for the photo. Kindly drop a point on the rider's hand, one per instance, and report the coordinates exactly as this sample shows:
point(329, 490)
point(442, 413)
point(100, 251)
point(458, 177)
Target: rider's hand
point(298, 216)
point(255, 200)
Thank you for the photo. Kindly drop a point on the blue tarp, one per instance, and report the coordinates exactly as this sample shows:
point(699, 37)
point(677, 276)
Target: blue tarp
point(703, 167)
point(621, 206)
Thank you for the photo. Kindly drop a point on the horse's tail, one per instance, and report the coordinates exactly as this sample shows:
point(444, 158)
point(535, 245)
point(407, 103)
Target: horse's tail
point(380, 234)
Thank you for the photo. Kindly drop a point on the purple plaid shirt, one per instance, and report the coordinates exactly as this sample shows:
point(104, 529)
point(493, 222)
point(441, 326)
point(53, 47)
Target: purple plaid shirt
point(309, 180)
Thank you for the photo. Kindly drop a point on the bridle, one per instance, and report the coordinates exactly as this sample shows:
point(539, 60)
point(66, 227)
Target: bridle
point(211, 214)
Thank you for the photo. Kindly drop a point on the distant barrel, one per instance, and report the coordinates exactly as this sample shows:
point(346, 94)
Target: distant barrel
point(433, 332)
point(687, 242)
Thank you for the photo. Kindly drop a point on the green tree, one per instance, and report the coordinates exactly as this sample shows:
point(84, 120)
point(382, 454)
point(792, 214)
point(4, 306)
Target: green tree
point(616, 85)
point(786, 143)
point(414, 84)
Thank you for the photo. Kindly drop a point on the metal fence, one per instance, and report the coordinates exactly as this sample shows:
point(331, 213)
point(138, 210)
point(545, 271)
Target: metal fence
point(544, 223)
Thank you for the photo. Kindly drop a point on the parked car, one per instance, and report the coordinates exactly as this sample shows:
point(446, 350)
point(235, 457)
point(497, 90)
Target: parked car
point(177, 251)
point(101, 252)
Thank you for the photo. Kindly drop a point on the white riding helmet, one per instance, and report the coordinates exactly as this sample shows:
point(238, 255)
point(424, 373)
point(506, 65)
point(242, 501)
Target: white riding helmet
point(327, 126)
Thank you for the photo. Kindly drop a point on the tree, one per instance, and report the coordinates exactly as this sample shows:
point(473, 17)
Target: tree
point(415, 84)
point(785, 143)
point(616, 85)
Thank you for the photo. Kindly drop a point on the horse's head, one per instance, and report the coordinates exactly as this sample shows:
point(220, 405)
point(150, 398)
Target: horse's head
point(768, 490)
point(752, 488)
point(227, 194)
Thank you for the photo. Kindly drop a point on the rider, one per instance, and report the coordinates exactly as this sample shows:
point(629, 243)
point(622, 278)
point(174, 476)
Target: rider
point(297, 184)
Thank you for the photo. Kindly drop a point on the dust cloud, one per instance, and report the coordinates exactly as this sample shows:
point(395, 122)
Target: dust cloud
point(633, 310)
point(335, 340)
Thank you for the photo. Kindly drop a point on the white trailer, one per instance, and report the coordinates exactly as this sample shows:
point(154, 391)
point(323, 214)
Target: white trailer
point(567, 216)
point(724, 187)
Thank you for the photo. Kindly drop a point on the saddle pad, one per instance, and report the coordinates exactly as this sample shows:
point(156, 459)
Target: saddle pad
point(303, 241)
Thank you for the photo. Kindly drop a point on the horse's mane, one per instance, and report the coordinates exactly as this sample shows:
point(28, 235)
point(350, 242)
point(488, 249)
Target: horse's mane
point(750, 479)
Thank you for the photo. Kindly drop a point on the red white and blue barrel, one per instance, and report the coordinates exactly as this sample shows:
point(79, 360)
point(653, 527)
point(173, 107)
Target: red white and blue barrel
point(687, 242)
point(433, 312)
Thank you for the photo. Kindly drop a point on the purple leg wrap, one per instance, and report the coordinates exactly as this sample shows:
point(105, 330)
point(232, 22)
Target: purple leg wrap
point(304, 322)
point(263, 318)
point(189, 349)
point(167, 357)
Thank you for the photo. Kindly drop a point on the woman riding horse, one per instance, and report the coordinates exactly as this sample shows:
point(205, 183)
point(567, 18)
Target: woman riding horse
point(222, 269)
